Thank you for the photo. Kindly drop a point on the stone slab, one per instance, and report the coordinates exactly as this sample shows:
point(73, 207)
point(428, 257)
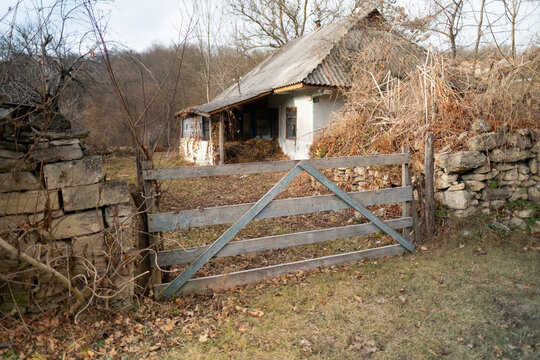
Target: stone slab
point(7, 165)
point(509, 155)
point(88, 170)
point(62, 142)
point(12, 222)
point(66, 134)
point(73, 225)
point(18, 181)
point(485, 142)
point(117, 213)
point(461, 161)
point(28, 202)
point(89, 245)
point(458, 200)
point(518, 141)
point(10, 154)
point(95, 195)
point(58, 153)
point(502, 193)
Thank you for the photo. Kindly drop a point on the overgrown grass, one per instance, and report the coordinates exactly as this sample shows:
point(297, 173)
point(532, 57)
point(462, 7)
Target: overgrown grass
point(466, 296)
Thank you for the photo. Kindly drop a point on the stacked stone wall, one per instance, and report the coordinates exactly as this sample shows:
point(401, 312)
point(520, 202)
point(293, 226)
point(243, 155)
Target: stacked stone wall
point(56, 206)
point(498, 172)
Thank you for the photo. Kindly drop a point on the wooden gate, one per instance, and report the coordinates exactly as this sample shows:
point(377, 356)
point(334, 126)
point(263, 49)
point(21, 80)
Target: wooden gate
point(267, 207)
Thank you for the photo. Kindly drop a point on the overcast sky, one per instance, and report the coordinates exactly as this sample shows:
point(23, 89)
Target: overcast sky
point(138, 24)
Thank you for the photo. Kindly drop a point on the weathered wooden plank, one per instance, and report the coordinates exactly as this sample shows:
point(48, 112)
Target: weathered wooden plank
point(272, 166)
point(356, 205)
point(185, 256)
point(286, 207)
point(227, 281)
point(228, 235)
point(405, 206)
point(429, 192)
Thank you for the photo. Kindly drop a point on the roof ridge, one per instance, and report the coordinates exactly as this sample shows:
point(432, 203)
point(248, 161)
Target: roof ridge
point(353, 22)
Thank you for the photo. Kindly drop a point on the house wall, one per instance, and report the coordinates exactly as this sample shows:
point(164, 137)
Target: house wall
point(311, 117)
point(201, 152)
point(324, 110)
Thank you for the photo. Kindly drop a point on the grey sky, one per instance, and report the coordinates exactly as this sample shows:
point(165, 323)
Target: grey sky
point(138, 24)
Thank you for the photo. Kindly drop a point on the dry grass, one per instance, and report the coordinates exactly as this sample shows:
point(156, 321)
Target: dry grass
point(436, 96)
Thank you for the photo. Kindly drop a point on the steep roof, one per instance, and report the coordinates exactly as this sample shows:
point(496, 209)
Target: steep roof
point(321, 57)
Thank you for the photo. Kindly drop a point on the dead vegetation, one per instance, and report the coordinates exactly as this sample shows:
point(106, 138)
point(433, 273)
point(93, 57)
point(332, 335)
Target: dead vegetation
point(253, 150)
point(436, 96)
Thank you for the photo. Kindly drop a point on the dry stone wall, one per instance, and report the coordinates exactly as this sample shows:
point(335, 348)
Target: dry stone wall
point(56, 206)
point(498, 172)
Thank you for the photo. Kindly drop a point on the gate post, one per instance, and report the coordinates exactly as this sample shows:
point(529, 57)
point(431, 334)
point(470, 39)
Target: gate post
point(150, 207)
point(406, 210)
point(430, 202)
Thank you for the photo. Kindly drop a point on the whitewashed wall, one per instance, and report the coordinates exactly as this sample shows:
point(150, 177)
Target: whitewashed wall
point(311, 118)
point(200, 152)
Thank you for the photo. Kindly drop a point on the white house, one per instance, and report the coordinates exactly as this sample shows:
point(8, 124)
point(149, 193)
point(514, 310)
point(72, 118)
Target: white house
point(291, 95)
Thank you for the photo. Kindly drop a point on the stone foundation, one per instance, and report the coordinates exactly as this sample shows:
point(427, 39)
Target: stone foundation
point(56, 206)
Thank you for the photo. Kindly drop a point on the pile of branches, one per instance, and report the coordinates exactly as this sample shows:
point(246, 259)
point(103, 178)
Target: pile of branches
point(436, 96)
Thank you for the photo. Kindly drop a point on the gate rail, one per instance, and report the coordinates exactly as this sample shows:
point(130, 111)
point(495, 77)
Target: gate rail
point(267, 207)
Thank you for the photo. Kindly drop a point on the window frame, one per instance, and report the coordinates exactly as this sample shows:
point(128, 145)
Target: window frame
point(289, 125)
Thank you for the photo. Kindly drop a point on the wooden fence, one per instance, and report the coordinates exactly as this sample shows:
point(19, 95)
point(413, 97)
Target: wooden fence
point(267, 207)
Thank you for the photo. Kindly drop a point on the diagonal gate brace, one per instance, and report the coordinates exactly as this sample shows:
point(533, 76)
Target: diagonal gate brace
point(356, 205)
point(228, 235)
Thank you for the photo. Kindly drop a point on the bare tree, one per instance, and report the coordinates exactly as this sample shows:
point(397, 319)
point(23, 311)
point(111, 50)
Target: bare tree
point(270, 23)
point(447, 20)
point(41, 59)
point(479, 30)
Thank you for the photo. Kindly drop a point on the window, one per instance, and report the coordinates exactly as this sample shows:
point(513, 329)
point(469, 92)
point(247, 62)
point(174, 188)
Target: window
point(290, 130)
point(261, 123)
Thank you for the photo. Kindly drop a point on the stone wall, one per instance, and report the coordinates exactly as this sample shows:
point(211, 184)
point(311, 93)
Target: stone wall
point(499, 171)
point(56, 206)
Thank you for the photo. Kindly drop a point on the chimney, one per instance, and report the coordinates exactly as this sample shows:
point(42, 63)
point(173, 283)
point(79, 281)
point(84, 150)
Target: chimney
point(317, 24)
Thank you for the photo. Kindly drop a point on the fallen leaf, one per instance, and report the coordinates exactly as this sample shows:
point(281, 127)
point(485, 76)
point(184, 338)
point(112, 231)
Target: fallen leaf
point(358, 299)
point(323, 301)
point(461, 246)
point(203, 338)
point(167, 327)
point(370, 346)
point(423, 248)
point(304, 343)
point(243, 328)
point(256, 313)
point(423, 309)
